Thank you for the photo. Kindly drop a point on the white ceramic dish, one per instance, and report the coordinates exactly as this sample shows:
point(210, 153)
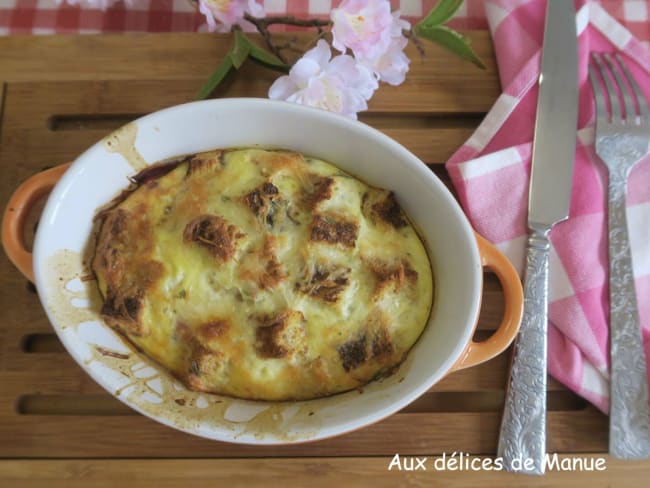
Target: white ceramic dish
point(100, 173)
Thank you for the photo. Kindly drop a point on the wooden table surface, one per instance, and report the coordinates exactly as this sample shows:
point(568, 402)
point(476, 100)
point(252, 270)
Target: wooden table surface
point(59, 95)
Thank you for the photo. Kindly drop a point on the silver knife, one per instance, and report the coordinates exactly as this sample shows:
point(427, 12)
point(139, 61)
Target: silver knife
point(522, 440)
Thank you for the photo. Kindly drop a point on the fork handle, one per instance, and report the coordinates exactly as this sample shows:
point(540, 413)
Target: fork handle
point(629, 416)
point(522, 440)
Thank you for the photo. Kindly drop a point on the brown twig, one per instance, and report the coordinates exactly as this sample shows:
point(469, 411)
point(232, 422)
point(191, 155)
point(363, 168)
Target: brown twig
point(288, 20)
point(266, 35)
point(416, 41)
point(262, 25)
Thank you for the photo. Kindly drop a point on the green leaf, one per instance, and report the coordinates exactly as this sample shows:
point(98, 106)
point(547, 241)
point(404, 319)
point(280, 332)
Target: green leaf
point(450, 40)
point(441, 12)
point(240, 50)
point(216, 77)
point(267, 58)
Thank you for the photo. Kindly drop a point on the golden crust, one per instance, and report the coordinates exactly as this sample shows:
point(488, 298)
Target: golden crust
point(262, 274)
point(124, 292)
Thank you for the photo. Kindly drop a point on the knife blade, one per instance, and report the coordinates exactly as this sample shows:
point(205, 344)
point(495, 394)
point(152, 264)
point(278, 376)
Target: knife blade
point(522, 438)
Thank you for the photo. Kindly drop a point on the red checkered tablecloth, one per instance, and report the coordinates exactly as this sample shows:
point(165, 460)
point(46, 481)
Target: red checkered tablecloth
point(48, 17)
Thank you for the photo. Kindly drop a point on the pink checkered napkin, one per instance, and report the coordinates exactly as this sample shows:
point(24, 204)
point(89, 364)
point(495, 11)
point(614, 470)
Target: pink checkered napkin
point(491, 174)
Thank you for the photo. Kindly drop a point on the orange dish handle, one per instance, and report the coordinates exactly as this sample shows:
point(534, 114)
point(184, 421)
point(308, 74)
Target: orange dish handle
point(20, 203)
point(479, 352)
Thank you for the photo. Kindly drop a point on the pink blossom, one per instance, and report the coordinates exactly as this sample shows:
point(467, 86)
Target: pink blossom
point(340, 84)
point(392, 65)
point(363, 26)
point(221, 15)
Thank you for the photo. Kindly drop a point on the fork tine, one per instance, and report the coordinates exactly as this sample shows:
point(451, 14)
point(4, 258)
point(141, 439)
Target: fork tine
point(613, 97)
point(630, 111)
point(641, 101)
point(601, 111)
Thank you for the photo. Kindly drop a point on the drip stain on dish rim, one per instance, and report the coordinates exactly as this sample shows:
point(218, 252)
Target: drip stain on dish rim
point(122, 142)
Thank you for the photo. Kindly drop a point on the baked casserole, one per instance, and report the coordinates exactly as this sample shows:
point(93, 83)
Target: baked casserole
point(263, 274)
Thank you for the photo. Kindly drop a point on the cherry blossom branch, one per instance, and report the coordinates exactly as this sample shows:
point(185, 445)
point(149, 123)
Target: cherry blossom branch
point(262, 25)
point(364, 45)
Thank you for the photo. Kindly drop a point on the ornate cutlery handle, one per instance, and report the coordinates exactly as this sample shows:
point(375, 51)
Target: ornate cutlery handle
point(629, 424)
point(522, 440)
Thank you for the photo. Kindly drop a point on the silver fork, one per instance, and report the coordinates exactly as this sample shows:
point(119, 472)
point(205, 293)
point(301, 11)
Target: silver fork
point(622, 139)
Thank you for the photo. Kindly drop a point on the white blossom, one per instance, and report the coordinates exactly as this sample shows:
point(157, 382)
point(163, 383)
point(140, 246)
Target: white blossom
point(340, 84)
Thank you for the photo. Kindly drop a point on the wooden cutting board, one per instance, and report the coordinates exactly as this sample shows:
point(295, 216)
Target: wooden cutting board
point(59, 95)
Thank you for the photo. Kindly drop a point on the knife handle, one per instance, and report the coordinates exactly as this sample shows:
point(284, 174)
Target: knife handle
point(522, 440)
point(629, 414)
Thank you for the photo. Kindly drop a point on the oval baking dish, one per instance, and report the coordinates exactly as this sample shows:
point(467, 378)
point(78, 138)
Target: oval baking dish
point(59, 266)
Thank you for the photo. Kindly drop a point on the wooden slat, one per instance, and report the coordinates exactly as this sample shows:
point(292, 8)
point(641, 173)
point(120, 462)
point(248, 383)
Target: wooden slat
point(59, 436)
point(439, 82)
point(433, 402)
point(316, 472)
point(48, 148)
point(91, 110)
